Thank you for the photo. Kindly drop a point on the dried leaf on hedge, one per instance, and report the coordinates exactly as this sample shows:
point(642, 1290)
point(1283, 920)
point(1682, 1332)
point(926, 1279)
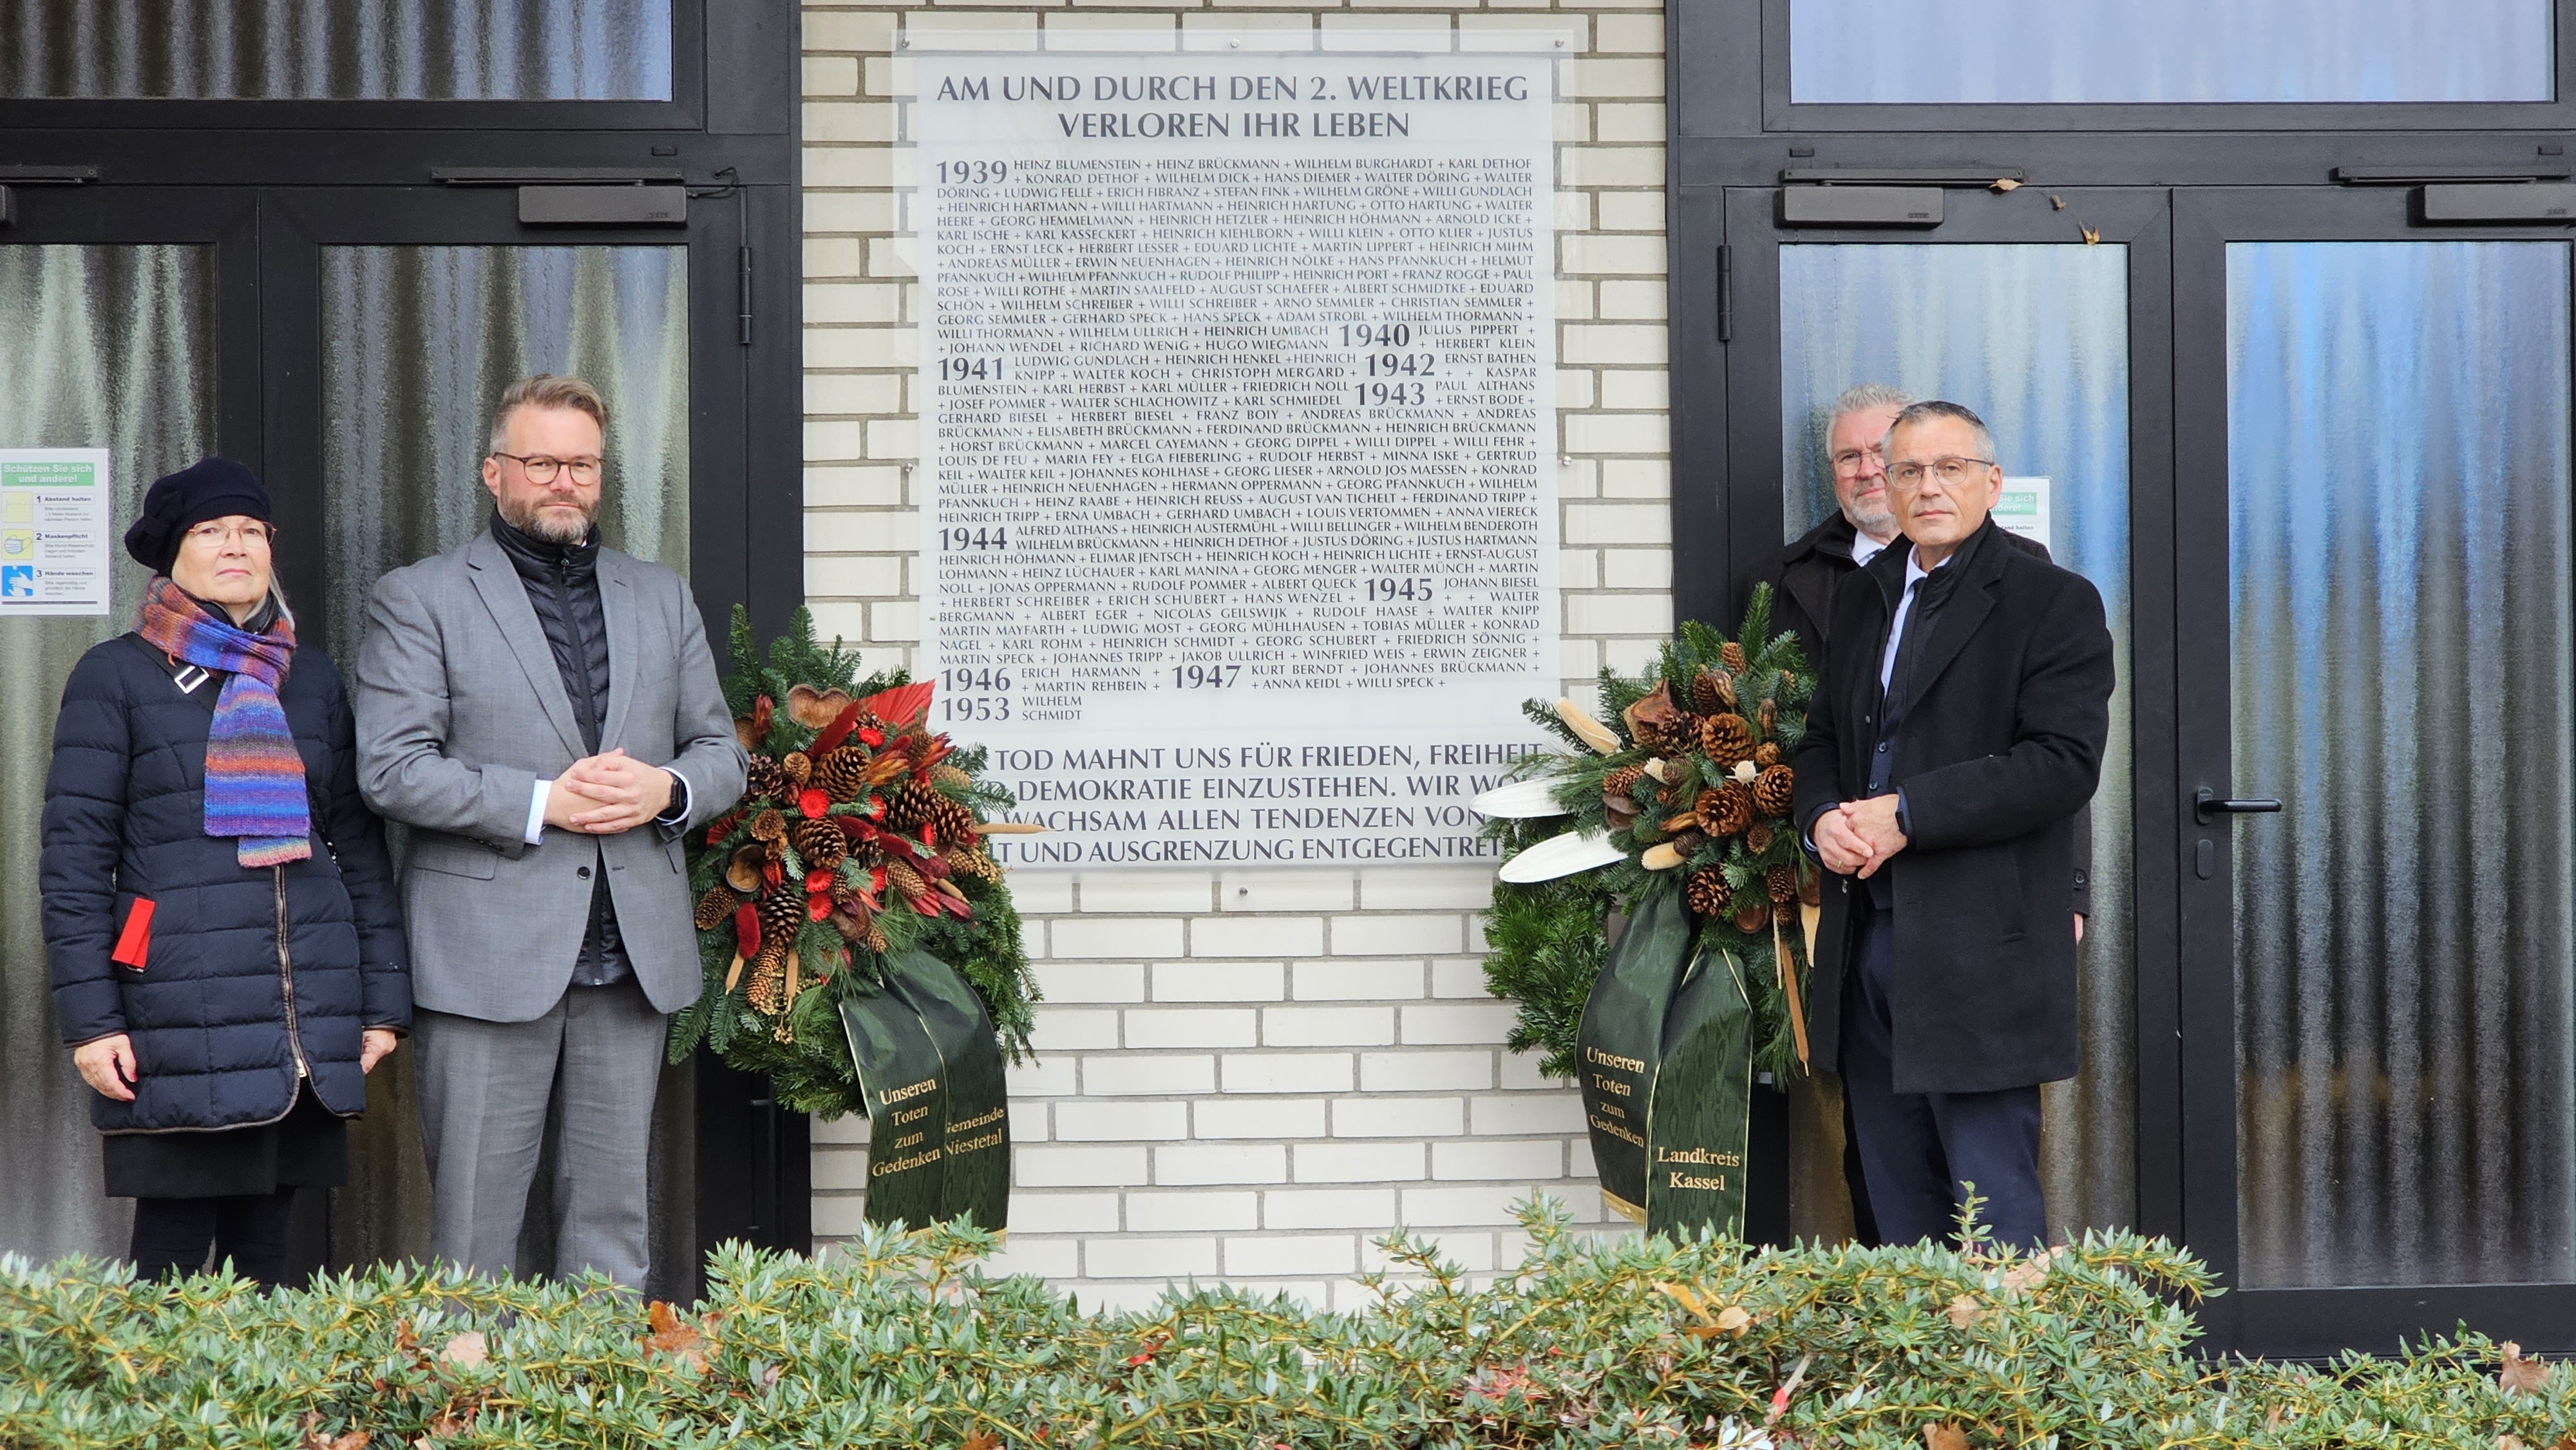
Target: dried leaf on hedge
point(2521, 1376)
point(2028, 1274)
point(1944, 1436)
point(980, 1440)
point(674, 1335)
point(1965, 1311)
point(466, 1350)
point(1687, 1299)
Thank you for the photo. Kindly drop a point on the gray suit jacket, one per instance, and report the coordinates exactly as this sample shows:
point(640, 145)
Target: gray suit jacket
point(461, 710)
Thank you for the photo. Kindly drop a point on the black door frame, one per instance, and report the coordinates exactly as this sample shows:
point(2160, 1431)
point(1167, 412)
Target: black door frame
point(268, 182)
point(2286, 1321)
point(1734, 138)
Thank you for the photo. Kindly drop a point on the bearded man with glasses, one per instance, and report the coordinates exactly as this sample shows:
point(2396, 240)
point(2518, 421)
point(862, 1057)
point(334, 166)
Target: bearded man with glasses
point(543, 712)
point(1955, 736)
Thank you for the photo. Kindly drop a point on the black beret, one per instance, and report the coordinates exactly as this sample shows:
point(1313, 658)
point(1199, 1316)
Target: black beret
point(210, 488)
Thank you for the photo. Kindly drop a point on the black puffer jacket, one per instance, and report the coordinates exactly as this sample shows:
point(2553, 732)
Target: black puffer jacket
point(219, 1014)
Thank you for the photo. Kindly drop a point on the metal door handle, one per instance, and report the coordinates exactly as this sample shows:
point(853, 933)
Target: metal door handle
point(2206, 803)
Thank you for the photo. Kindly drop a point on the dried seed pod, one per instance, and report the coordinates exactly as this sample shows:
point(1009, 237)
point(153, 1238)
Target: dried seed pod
point(768, 826)
point(1769, 716)
point(1654, 719)
point(813, 708)
point(715, 907)
point(1750, 919)
point(796, 766)
point(742, 873)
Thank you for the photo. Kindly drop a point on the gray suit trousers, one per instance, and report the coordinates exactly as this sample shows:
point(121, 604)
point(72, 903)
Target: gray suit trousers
point(484, 1089)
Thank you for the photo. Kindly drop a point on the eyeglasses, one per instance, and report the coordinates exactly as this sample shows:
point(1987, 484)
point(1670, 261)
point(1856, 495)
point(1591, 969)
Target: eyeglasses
point(1951, 471)
point(1849, 460)
point(215, 533)
point(542, 470)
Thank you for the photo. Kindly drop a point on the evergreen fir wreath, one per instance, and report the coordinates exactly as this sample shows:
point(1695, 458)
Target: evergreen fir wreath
point(1688, 790)
point(859, 836)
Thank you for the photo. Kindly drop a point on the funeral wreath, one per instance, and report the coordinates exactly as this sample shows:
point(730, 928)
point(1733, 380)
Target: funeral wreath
point(857, 846)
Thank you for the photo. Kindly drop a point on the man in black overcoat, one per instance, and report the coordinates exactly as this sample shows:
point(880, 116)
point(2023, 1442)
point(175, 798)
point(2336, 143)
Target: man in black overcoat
point(1956, 732)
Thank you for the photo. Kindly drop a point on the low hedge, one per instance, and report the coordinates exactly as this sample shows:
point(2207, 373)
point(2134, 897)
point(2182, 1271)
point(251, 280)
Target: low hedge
point(900, 1340)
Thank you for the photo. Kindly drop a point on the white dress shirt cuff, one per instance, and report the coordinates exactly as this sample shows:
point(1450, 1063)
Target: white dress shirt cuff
point(678, 810)
point(536, 831)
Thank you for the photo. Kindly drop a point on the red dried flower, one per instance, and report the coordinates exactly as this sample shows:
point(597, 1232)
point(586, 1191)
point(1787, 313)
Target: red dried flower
point(818, 907)
point(872, 735)
point(814, 804)
point(820, 880)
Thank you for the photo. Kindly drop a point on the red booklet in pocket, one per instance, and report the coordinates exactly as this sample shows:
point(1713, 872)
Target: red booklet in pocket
point(136, 942)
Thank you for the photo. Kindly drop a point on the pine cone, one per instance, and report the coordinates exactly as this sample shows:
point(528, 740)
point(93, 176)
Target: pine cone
point(950, 775)
point(954, 822)
point(1727, 739)
point(1774, 791)
point(797, 766)
point(909, 805)
point(768, 983)
point(820, 843)
point(1733, 654)
point(906, 881)
point(1757, 838)
point(768, 826)
point(1706, 809)
point(1622, 780)
point(1788, 682)
point(1766, 754)
point(975, 864)
point(875, 939)
point(715, 906)
point(782, 913)
point(842, 775)
point(1784, 912)
point(1706, 892)
point(764, 778)
point(1734, 809)
point(1750, 919)
point(1703, 693)
point(1781, 882)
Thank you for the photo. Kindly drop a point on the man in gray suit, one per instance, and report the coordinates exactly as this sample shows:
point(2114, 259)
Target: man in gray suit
point(543, 713)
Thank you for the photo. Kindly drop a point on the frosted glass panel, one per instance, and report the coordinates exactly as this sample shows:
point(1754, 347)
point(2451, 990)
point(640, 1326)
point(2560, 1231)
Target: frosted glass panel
point(109, 347)
point(2036, 340)
point(337, 50)
point(2030, 51)
point(2398, 473)
point(418, 344)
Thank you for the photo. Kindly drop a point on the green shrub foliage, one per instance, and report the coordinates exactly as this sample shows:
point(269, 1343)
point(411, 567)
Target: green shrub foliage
point(899, 1340)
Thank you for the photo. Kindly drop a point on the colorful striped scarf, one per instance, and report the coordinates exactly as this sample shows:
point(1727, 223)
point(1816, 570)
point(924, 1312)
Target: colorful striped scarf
point(254, 773)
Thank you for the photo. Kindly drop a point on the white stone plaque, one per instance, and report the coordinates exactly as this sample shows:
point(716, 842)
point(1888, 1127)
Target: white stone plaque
point(1237, 374)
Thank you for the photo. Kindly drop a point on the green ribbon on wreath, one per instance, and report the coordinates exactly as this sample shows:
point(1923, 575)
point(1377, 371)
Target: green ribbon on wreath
point(939, 1139)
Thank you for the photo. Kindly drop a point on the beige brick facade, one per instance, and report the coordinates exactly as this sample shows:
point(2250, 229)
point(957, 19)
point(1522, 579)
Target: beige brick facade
point(1249, 1075)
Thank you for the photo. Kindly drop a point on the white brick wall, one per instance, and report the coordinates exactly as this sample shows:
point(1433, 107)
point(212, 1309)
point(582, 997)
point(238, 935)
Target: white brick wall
point(1249, 1075)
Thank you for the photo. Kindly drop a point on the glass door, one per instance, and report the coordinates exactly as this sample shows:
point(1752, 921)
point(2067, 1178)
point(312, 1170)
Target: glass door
point(2046, 314)
point(402, 313)
point(2378, 750)
point(124, 326)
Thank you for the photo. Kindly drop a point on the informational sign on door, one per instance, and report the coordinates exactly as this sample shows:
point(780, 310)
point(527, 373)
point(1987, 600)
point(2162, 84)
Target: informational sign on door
point(54, 519)
point(2023, 509)
point(1240, 528)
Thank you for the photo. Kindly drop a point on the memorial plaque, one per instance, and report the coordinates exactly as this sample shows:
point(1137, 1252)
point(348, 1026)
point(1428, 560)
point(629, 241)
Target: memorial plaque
point(1239, 515)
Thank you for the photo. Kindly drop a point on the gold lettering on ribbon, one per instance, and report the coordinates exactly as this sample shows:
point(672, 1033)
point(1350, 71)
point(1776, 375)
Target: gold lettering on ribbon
point(1612, 1059)
point(922, 1159)
point(1712, 1185)
point(1701, 1157)
point(970, 1124)
point(989, 1140)
point(1613, 1085)
point(1620, 1131)
point(892, 1096)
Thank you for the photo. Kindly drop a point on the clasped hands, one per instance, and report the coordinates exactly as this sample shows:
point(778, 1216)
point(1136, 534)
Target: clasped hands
point(603, 794)
point(1856, 837)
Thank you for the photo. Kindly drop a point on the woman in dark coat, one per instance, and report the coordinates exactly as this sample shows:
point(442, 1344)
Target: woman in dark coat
point(219, 911)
